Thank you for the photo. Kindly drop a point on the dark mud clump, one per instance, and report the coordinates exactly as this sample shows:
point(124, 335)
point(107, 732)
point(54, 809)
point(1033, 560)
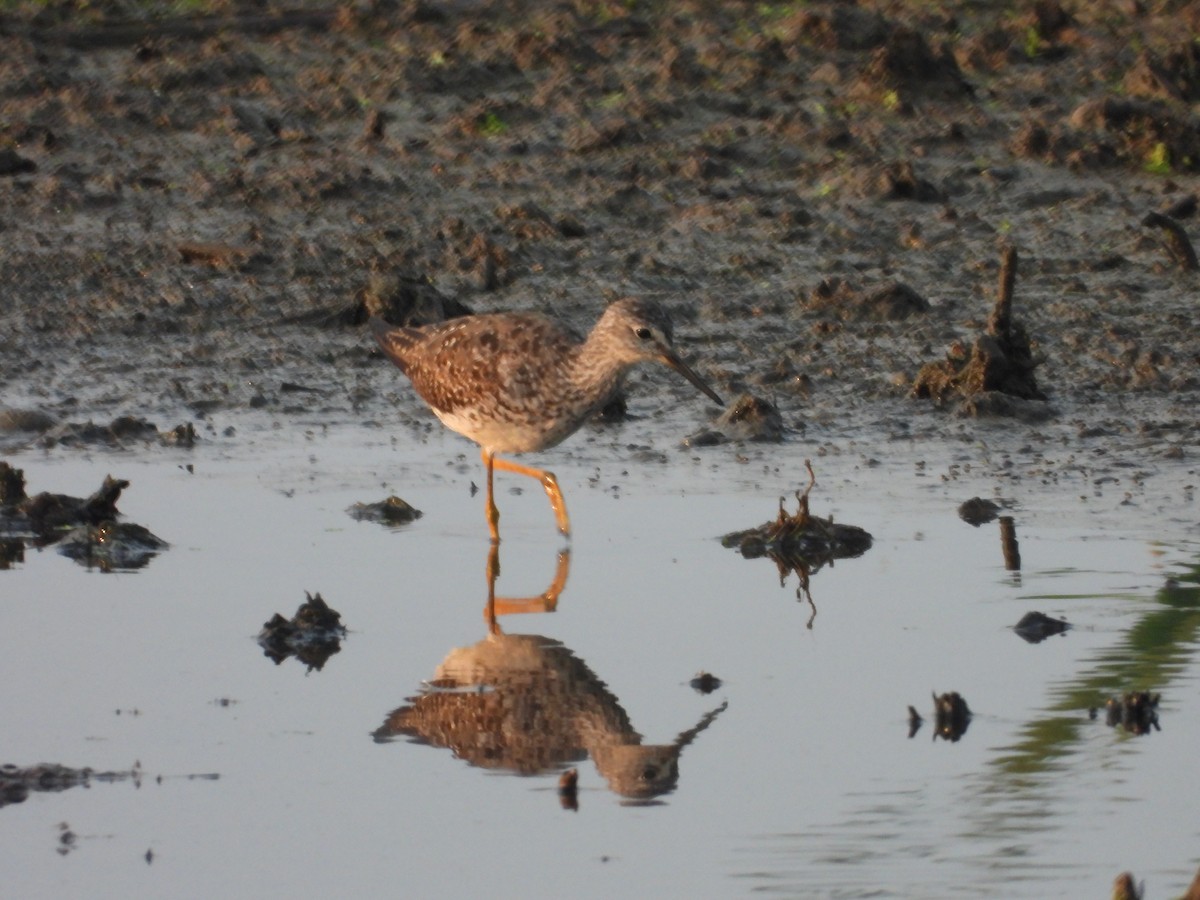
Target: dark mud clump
point(801, 543)
point(951, 716)
point(43, 514)
point(400, 298)
point(391, 511)
point(568, 790)
point(749, 418)
point(978, 511)
point(890, 302)
point(112, 546)
point(705, 683)
point(1035, 627)
point(997, 376)
point(800, 539)
point(86, 529)
point(122, 432)
point(312, 635)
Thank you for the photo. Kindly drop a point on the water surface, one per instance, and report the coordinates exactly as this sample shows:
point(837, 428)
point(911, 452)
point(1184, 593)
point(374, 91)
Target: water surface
point(796, 777)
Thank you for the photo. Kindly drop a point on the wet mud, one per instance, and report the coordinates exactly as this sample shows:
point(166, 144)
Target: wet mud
point(202, 210)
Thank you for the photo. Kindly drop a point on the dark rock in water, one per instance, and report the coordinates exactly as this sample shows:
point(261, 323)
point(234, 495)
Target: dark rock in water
point(978, 511)
point(951, 715)
point(391, 511)
point(750, 418)
point(112, 546)
point(312, 635)
point(1035, 627)
point(1136, 712)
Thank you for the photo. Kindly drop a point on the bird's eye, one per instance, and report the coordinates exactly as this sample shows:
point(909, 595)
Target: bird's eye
point(644, 333)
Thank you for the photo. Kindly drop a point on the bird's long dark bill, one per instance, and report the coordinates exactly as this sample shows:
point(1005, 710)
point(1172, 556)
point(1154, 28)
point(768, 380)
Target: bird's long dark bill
point(686, 371)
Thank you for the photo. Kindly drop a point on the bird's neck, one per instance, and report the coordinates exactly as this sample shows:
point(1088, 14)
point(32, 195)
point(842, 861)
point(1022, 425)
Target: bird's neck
point(596, 375)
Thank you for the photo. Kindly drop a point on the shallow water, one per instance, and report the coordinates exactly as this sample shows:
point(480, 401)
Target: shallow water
point(799, 779)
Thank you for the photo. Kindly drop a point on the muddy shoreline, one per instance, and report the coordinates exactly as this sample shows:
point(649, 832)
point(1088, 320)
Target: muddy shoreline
point(190, 210)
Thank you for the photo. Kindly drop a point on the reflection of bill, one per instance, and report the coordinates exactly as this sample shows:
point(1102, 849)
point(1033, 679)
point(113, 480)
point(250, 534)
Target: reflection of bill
point(526, 703)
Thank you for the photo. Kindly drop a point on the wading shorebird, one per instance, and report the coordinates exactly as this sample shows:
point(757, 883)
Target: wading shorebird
point(519, 383)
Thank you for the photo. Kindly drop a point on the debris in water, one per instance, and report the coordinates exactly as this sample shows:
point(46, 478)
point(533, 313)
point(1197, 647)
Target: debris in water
point(951, 716)
point(112, 546)
point(1136, 712)
point(705, 683)
point(568, 790)
point(86, 528)
point(914, 721)
point(1125, 888)
point(390, 511)
point(1008, 544)
point(800, 543)
point(312, 635)
point(1035, 627)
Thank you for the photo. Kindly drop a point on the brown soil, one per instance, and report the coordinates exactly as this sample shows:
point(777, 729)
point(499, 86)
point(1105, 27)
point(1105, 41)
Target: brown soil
point(820, 191)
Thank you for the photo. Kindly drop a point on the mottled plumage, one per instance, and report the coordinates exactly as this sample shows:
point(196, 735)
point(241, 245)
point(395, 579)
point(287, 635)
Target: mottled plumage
point(518, 382)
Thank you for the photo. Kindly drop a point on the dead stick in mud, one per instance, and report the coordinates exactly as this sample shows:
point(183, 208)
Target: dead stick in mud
point(1179, 248)
point(1000, 321)
point(1008, 544)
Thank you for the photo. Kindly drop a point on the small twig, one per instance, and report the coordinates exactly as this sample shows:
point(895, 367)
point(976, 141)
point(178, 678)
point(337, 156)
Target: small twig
point(802, 496)
point(1179, 248)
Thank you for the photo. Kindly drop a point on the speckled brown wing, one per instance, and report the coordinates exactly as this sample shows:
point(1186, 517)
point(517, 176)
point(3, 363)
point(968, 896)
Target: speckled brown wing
point(488, 361)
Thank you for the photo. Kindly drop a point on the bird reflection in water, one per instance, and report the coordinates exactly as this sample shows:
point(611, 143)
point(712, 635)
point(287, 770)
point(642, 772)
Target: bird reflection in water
point(526, 704)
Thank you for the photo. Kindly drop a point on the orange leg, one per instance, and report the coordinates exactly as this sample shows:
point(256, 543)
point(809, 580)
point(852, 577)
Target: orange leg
point(547, 601)
point(493, 513)
point(548, 481)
